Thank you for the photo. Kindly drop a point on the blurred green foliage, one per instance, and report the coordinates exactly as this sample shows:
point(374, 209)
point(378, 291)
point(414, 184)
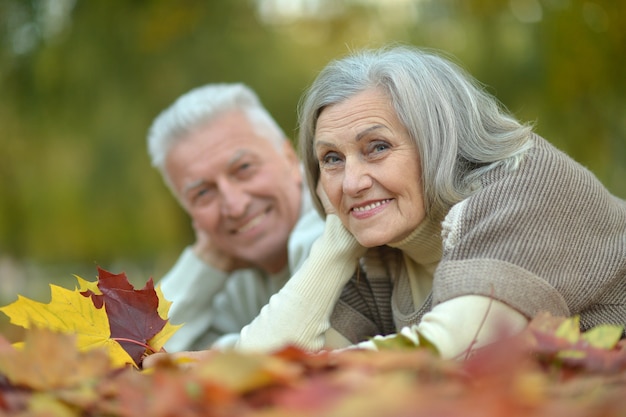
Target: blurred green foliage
point(81, 81)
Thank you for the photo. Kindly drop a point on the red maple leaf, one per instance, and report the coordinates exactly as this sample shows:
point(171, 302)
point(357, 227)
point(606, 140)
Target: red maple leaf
point(133, 314)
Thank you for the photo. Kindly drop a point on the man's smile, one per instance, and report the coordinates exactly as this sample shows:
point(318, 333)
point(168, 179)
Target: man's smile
point(255, 221)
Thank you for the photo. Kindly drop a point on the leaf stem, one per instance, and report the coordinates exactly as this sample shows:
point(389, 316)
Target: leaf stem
point(136, 342)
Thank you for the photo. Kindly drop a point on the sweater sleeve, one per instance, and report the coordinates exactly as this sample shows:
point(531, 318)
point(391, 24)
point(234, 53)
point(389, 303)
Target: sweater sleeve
point(191, 286)
point(460, 325)
point(307, 230)
point(468, 322)
point(299, 313)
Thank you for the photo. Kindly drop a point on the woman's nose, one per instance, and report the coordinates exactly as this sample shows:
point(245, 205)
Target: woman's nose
point(356, 177)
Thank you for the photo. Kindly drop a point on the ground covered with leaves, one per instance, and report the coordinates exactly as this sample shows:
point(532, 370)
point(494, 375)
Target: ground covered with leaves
point(551, 369)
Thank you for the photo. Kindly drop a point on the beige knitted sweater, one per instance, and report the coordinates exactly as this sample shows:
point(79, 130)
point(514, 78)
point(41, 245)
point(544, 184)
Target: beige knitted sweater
point(544, 237)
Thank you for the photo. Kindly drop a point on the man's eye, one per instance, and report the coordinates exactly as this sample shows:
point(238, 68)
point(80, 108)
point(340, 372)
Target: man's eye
point(245, 170)
point(202, 196)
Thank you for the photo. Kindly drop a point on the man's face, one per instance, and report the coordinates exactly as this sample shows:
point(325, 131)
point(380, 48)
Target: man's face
point(239, 188)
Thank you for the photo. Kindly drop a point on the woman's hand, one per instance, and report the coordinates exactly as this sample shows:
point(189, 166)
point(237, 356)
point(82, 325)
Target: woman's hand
point(328, 208)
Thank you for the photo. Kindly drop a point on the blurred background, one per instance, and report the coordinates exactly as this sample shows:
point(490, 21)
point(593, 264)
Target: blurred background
point(81, 81)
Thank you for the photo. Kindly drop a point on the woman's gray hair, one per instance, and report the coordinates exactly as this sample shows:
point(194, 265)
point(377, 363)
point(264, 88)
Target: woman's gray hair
point(461, 132)
point(199, 106)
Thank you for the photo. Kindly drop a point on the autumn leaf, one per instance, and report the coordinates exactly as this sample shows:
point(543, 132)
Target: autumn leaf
point(69, 312)
point(159, 340)
point(569, 330)
point(532, 374)
point(5, 345)
point(560, 341)
point(396, 341)
point(133, 314)
point(85, 286)
point(51, 360)
point(168, 392)
point(109, 312)
point(243, 373)
point(605, 336)
point(402, 341)
point(504, 379)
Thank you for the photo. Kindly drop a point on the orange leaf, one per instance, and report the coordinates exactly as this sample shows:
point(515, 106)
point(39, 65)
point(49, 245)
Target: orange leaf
point(51, 360)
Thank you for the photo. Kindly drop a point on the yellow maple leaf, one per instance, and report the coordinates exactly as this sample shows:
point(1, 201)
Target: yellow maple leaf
point(159, 339)
point(69, 312)
point(164, 304)
point(85, 285)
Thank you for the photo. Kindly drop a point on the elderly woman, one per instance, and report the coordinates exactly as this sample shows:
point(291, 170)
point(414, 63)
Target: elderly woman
point(445, 217)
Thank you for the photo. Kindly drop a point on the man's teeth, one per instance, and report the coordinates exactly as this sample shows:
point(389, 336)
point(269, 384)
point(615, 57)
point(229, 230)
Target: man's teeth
point(371, 206)
point(252, 223)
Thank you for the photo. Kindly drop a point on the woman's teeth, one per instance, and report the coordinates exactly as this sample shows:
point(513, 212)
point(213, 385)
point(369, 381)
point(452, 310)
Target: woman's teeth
point(371, 206)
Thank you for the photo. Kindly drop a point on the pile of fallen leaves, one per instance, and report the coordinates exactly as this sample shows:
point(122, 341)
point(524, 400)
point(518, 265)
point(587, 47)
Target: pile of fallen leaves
point(108, 313)
point(69, 368)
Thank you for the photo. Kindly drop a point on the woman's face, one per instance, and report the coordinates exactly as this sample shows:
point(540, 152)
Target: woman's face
point(370, 168)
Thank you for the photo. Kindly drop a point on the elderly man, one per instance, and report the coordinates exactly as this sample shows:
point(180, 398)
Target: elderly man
point(236, 174)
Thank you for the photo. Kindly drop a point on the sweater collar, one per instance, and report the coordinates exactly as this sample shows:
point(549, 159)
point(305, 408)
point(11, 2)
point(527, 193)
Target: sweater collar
point(424, 244)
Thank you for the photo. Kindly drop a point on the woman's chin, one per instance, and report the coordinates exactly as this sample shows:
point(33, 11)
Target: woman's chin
point(371, 241)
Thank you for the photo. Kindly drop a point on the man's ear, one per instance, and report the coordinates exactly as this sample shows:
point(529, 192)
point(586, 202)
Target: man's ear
point(289, 151)
point(292, 157)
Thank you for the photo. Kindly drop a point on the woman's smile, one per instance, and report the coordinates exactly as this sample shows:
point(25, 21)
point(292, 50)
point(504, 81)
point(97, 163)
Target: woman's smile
point(366, 153)
point(370, 209)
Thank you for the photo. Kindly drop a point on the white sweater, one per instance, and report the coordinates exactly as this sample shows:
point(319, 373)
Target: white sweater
point(213, 306)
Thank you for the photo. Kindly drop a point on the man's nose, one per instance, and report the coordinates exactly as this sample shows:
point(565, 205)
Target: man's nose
point(357, 177)
point(234, 199)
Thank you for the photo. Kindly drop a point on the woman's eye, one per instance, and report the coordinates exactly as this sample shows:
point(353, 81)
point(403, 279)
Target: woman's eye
point(380, 147)
point(330, 159)
point(376, 149)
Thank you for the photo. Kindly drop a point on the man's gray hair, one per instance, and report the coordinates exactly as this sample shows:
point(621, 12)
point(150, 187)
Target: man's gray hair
point(199, 106)
point(461, 132)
